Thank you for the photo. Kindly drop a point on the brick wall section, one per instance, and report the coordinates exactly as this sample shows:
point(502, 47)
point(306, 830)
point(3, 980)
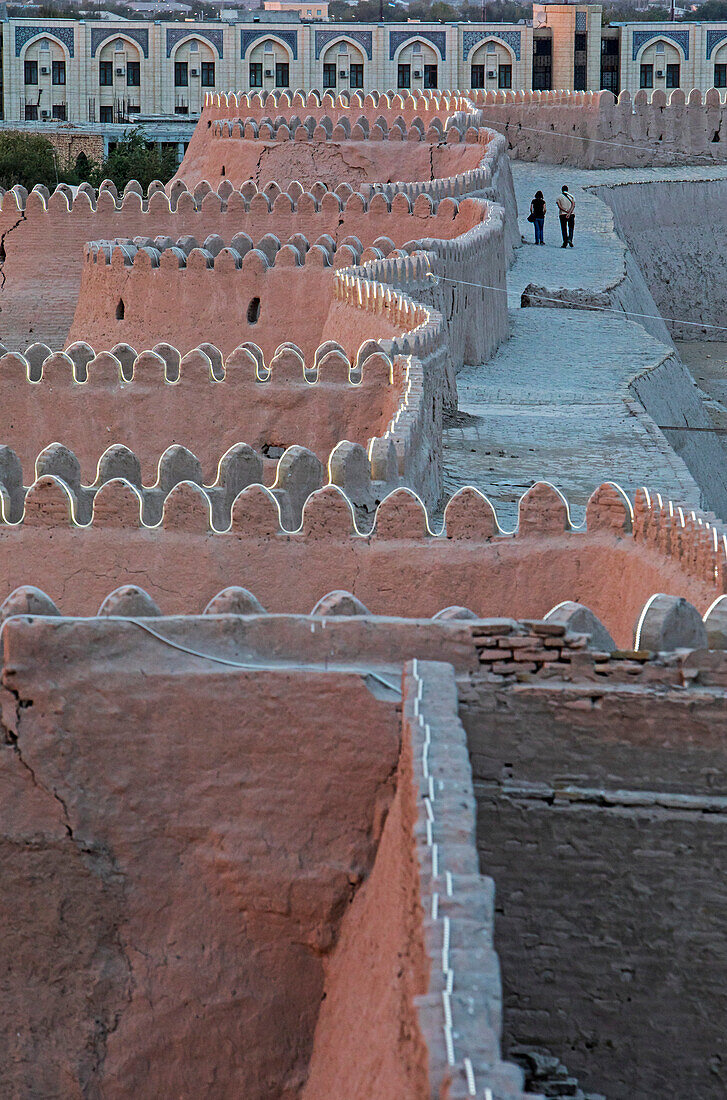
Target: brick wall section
point(69, 144)
point(601, 783)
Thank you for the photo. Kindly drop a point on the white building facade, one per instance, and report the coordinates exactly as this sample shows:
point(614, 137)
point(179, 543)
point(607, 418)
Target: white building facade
point(101, 72)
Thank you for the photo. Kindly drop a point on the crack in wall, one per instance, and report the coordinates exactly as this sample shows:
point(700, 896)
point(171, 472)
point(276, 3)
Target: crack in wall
point(3, 254)
point(13, 740)
point(99, 862)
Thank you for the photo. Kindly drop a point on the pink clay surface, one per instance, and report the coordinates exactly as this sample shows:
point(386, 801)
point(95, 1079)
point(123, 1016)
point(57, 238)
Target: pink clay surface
point(203, 852)
point(331, 162)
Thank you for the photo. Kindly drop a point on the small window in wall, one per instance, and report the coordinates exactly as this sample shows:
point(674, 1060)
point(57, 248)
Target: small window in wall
point(31, 112)
point(256, 74)
point(59, 111)
point(477, 76)
point(403, 76)
point(329, 76)
point(720, 76)
point(430, 76)
point(282, 74)
point(181, 74)
point(59, 72)
point(672, 76)
point(253, 311)
point(646, 79)
point(105, 73)
point(120, 310)
point(106, 114)
point(208, 74)
point(356, 76)
point(133, 74)
point(504, 76)
point(31, 72)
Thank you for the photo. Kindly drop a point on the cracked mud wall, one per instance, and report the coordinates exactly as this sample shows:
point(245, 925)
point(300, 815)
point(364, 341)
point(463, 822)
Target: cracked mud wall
point(179, 847)
point(354, 162)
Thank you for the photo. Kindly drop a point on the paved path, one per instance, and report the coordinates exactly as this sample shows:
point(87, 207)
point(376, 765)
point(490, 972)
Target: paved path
point(553, 404)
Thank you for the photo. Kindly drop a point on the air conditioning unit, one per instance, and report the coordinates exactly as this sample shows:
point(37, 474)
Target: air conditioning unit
point(194, 72)
point(119, 72)
point(417, 72)
point(659, 72)
point(268, 72)
point(45, 114)
point(491, 74)
point(44, 70)
point(343, 73)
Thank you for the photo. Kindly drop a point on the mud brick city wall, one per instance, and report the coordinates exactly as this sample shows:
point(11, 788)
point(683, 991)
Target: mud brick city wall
point(201, 851)
point(601, 785)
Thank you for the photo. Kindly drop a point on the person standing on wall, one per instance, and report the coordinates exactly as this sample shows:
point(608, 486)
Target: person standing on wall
point(567, 214)
point(537, 216)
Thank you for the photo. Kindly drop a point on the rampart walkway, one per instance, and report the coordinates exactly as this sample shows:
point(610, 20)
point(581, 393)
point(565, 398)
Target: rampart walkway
point(554, 403)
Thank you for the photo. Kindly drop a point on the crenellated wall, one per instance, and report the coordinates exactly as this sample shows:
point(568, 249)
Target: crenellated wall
point(612, 567)
point(593, 130)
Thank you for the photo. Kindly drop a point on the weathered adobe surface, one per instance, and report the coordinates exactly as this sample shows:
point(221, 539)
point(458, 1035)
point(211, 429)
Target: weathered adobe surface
point(206, 416)
point(44, 247)
point(225, 913)
point(601, 785)
point(398, 569)
point(332, 162)
point(592, 130)
point(184, 869)
point(679, 253)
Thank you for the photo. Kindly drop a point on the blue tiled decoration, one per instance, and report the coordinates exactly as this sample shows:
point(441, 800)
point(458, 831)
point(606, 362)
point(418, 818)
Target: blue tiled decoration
point(99, 35)
point(640, 38)
point(364, 39)
point(713, 40)
point(581, 21)
point(290, 37)
point(470, 39)
point(65, 35)
point(398, 38)
point(176, 34)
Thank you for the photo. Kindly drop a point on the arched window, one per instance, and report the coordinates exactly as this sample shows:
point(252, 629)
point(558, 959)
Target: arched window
point(120, 310)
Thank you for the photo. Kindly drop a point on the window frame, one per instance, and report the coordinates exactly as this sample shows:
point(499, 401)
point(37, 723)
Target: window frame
point(257, 66)
point(105, 74)
point(358, 82)
point(30, 66)
point(58, 69)
point(504, 76)
point(133, 68)
point(204, 72)
point(279, 66)
point(723, 74)
point(427, 76)
point(474, 79)
point(646, 76)
point(669, 74)
point(105, 108)
point(181, 74)
point(403, 76)
point(327, 67)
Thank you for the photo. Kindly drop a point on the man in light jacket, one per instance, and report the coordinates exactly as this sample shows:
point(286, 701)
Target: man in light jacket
point(567, 214)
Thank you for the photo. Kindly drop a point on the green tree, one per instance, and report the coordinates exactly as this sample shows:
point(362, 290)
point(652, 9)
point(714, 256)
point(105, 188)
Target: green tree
point(133, 159)
point(28, 159)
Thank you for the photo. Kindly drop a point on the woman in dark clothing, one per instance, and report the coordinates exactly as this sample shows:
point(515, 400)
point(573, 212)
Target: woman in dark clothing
point(537, 210)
